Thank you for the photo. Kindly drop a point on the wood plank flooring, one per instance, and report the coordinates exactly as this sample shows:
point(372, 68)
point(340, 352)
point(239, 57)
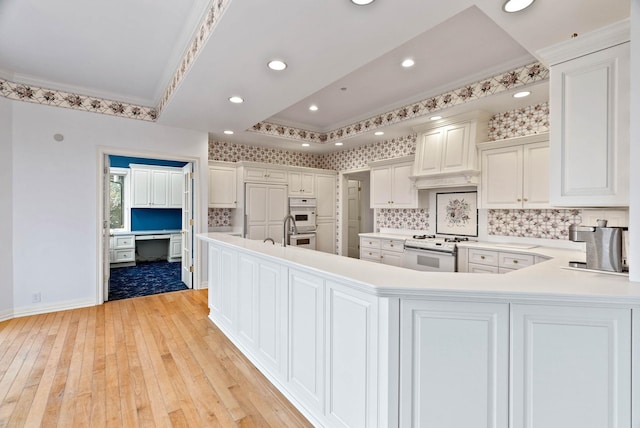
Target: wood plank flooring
point(149, 361)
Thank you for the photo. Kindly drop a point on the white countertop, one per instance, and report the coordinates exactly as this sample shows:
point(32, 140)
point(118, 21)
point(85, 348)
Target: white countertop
point(546, 281)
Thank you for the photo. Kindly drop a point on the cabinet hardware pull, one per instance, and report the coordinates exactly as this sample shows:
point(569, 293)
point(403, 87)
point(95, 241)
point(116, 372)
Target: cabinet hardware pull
point(482, 257)
point(515, 262)
point(519, 200)
point(526, 199)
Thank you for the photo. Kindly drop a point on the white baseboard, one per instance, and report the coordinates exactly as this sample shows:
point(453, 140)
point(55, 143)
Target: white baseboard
point(204, 284)
point(6, 314)
point(52, 307)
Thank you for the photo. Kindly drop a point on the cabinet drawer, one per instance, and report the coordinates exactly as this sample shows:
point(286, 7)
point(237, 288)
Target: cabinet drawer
point(127, 241)
point(515, 261)
point(120, 256)
point(369, 243)
point(483, 257)
point(476, 268)
point(392, 245)
point(370, 254)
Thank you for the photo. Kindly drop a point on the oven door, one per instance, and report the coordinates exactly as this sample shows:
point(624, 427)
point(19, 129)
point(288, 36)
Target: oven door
point(430, 261)
point(303, 240)
point(305, 218)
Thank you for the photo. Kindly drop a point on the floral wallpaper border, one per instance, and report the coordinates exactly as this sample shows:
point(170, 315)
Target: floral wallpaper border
point(492, 85)
point(35, 94)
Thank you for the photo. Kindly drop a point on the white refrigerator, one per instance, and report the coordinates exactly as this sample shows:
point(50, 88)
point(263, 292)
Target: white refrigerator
point(266, 205)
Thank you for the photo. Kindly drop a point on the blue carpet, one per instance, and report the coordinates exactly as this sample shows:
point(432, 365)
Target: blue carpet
point(145, 279)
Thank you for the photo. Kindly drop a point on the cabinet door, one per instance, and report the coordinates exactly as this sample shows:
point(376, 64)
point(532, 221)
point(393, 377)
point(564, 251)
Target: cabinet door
point(270, 315)
point(381, 187)
point(247, 300)
point(429, 152)
point(295, 183)
point(159, 188)
point(453, 364)
point(589, 107)
point(352, 356)
point(403, 192)
point(392, 258)
point(141, 188)
point(222, 187)
point(571, 367)
point(305, 372)
point(277, 176)
point(501, 185)
point(176, 189)
point(325, 197)
point(455, 147)
point(535, 184)
point(326, 236)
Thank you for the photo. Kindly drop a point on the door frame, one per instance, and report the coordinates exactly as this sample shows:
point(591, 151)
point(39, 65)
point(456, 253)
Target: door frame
point(345, 176)
point(103, 151)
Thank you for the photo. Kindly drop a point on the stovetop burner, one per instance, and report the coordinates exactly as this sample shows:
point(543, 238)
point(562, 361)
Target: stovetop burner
point(424, 236)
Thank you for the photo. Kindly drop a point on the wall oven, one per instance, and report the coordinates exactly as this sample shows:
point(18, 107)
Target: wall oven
point(303, 211)
point(303, 240)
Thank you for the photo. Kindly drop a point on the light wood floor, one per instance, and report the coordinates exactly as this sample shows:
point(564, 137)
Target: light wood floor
point(148, 361)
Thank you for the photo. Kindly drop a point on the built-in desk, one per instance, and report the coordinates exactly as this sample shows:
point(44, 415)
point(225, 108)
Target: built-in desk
point(147, 245)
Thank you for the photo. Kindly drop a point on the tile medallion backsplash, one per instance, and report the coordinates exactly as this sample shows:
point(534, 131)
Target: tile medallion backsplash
point(547, 223)
point(219, 217)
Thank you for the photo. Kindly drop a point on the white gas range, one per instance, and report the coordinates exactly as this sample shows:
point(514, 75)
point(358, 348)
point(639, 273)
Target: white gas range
point(431, 253)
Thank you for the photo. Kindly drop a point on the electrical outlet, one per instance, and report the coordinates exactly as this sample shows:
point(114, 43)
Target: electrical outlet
point(36, 297)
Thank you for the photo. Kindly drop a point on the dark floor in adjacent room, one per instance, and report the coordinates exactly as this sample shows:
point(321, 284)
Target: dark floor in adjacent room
point(145, 279)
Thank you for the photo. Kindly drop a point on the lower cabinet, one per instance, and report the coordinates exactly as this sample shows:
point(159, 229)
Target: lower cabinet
point(175, 247)
point(382, 250)
point(571, 367)
point(326, 236)
point(454, 364)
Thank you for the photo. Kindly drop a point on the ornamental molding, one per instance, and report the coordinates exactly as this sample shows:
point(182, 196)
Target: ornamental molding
point(495, 84)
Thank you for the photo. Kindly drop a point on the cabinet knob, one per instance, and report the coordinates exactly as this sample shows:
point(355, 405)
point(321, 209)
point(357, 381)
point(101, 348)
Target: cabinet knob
point(515, 262)
point(391, 245)
point(482, 257)
point(526, 199)
point(519, 200)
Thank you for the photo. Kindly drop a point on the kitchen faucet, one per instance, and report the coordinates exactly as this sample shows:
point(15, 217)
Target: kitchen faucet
point(284, 228)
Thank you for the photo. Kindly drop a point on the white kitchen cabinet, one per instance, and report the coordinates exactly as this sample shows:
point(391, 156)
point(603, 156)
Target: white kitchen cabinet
point(222, 186)
point(122, 250)
point(446, 151)
point(515, 173)
point(156, 187)
point(571, 367)
point(454, 359)
point(382, 250)
point(491, 261)
point(325, 185)
point(589, 111)
point(326, 236)
point(175, 247)
point(266, 205)
point(351, 362)
point(391, 186)
point(306, 347)
point(263, 174)
point(302, 183)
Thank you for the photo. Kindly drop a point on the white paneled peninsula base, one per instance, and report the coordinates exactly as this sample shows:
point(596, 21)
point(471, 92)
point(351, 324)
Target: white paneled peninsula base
point(358, 344)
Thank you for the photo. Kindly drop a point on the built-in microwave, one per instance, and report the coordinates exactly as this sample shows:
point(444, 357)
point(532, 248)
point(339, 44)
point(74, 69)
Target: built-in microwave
point(303, 211)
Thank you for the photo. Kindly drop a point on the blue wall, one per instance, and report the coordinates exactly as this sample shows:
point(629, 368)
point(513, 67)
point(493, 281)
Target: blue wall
point(151, 218)
point(155, 219)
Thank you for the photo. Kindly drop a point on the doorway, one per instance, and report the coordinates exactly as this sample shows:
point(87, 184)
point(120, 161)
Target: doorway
point(357, 216)
point(147, 244)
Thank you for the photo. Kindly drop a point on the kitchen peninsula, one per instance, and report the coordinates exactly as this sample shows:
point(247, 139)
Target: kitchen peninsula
point(354, 343)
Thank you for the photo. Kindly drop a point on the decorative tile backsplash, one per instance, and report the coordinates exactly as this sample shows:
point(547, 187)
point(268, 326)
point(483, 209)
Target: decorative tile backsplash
point(219, 217)
point(359, 157)
point(519, 122)
point(548, 223)
point(395, 218)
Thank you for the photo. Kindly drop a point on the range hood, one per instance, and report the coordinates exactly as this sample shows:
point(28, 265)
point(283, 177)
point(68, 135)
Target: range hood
point(446, 154)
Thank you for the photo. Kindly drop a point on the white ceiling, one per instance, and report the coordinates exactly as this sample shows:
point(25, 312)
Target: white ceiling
point(127, 50)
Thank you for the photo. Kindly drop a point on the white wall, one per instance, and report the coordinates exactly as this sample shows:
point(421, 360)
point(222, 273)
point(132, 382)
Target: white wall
point(55, 186)
point(6, 215)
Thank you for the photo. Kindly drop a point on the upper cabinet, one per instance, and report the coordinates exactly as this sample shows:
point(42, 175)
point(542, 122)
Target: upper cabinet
point(515, 173)
point(391, 186)
point(446, 151)
point(301, 183)
point(156, 187)
point(222, 185)
point(589, 116)
point(261, 174)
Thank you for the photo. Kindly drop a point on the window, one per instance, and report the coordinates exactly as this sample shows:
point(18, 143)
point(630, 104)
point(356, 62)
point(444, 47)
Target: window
point(119, 199)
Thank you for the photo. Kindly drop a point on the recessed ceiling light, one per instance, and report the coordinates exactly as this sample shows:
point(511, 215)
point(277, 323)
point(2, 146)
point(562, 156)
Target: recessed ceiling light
point(228, 132)
point(313, 107)
point(277, 65)
point(362, 2)
point(305, 144)
point(338, 143)
point(511, 6)
point(522, 94)
point(236, 99)
point(408, 63)
point(435, 117)
point(378, 133)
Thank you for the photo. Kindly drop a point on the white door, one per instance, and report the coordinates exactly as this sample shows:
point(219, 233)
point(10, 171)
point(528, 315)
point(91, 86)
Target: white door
point(106, 228)
point(187, 226)
point(353, 213)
